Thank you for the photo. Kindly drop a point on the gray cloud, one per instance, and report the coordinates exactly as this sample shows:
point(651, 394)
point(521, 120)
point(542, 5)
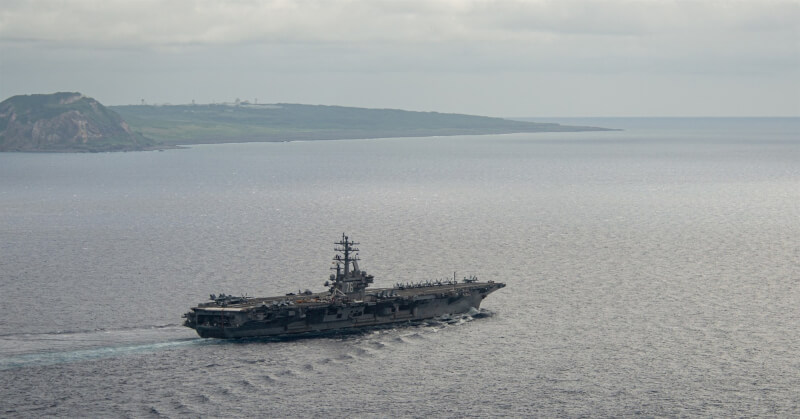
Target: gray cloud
point(413, 52)
point(168, 22)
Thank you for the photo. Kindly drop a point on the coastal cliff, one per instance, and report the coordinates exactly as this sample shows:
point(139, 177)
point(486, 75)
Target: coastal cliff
point(64, 122)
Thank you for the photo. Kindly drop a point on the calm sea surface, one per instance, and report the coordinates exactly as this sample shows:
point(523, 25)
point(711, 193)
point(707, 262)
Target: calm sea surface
point(653, 271)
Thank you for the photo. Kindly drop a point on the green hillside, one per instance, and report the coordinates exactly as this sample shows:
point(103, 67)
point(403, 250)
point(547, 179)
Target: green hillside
point(192, 124)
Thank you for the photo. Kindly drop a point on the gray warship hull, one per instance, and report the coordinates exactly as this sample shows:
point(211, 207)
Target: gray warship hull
point(277, 316)
point(347, 304)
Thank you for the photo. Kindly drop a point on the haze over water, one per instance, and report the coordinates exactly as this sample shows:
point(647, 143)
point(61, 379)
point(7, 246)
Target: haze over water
point(653, 271)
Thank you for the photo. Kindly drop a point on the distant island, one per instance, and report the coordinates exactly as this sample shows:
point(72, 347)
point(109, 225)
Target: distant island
point(72, 122)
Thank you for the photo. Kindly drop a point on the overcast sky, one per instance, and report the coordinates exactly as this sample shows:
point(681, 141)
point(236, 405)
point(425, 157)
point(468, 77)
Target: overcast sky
point(498, 58)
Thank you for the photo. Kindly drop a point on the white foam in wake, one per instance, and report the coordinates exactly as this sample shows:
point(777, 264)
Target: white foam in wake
point(24, 350)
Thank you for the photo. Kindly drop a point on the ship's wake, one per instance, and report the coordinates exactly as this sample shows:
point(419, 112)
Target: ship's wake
point(38, 349)
point(42, 349)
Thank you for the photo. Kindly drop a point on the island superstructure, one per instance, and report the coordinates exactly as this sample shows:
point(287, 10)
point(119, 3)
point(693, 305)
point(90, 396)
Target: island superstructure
point(348, 303)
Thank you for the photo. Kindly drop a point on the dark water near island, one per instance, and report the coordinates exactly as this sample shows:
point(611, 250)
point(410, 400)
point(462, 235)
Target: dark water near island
point(653, 271)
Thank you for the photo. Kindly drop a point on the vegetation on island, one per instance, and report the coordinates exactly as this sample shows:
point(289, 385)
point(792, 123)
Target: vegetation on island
point(220, 123)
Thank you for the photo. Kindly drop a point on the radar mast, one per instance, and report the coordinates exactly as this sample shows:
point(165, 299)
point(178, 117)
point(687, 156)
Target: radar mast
point(348, 282)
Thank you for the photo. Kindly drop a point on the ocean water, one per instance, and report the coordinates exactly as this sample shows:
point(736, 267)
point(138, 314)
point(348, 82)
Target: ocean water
point(653, 271)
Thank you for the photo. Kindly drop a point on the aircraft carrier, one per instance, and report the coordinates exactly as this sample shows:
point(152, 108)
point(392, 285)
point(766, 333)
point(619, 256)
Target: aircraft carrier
point(347, 304)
